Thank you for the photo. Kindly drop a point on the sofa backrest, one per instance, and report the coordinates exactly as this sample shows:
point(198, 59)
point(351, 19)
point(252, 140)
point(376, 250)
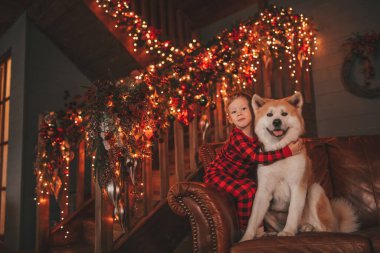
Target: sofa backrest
point(347, 167)
point(317, 152)
point(354, 164)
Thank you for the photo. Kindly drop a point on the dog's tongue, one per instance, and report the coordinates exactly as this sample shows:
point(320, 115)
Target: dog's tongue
point(278, 132)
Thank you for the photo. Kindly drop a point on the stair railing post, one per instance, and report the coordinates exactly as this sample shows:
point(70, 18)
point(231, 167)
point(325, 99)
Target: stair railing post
point(80, 174)
point(42, 209)
point(103, 221)
point(179, 151)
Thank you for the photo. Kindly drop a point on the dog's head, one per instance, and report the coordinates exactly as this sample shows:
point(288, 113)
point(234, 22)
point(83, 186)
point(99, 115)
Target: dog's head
point(276, 119)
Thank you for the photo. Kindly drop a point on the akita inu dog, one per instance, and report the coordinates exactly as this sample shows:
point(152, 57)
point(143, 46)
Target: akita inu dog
point(287, 185)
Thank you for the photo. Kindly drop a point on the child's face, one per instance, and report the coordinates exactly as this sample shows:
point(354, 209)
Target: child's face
point(240, 114)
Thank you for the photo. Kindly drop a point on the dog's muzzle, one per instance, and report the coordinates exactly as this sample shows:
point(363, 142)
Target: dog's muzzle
point(277, 129)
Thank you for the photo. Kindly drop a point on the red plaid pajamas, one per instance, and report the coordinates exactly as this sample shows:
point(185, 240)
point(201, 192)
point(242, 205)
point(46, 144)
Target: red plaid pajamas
point(229, 171)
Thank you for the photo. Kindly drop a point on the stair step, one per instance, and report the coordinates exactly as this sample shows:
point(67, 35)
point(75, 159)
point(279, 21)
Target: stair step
point(73, 248)
point(117, 230)
point(89, 231)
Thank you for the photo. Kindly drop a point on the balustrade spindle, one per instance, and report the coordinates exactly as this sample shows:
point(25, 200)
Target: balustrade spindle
point(163, 17)
point(179, 151)
point(148, 184)
point(163, 150)
point(80, 174)
point(103, 222)
point(193, 143)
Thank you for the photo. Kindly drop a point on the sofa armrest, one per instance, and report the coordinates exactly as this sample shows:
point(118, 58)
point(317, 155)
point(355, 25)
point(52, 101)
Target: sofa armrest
point(212, 216)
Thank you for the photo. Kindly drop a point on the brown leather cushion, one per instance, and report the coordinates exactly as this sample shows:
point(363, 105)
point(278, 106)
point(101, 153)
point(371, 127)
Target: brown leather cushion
point(374, 235)
point(355, 174)
point(321, 242)
point(207, 152)
point(317, 152)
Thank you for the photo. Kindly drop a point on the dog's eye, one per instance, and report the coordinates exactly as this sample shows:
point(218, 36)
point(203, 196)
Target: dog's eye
point(284, 114)
point(269, 114)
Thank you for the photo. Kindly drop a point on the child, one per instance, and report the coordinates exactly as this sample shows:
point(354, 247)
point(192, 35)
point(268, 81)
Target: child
point(229, 171)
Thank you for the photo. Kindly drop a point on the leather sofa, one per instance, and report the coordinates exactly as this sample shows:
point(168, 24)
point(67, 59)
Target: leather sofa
point(346, 167)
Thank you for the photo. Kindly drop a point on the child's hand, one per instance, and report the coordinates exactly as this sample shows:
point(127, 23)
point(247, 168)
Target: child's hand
point(296, 146)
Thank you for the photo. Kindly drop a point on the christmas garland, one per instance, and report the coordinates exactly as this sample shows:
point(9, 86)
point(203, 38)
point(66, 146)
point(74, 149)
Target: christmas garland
point(122, 119)
point(363, 48)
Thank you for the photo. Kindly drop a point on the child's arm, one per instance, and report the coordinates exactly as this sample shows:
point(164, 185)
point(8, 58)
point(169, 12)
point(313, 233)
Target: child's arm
point(250, 150)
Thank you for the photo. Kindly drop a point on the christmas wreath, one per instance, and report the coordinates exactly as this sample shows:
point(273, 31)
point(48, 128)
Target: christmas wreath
point(362, 48)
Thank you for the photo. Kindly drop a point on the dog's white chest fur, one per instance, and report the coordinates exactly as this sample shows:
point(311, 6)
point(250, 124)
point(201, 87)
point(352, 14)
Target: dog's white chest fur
point(279, 177)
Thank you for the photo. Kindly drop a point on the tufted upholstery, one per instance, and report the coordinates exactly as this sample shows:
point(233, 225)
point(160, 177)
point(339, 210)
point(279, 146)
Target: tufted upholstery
point(346, 167)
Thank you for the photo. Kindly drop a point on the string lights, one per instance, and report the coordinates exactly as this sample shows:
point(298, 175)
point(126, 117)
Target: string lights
point(122, 118)
point(52, 166)
point(144, 36)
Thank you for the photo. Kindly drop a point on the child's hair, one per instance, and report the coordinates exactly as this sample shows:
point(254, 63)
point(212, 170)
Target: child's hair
point(235, 95)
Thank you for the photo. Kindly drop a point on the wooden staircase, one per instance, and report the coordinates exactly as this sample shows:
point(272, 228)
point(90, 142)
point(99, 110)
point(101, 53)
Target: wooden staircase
point(159, 230)
point(82, 236)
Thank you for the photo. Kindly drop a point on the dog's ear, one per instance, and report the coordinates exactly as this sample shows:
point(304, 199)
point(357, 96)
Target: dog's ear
point(257, 102)
point(296, 100)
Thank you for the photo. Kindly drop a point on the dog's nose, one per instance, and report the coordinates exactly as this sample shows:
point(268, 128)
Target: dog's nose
point(277, 123)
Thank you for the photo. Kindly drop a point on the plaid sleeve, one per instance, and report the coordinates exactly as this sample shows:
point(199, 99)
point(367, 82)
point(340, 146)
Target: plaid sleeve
point(250, 150)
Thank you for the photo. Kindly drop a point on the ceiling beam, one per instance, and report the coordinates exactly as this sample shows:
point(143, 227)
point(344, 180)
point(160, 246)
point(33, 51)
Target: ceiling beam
point(84, 39)
point(139, 56)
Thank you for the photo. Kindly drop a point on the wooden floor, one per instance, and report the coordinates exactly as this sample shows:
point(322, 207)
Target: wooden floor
point(74, 248)
point(5, 250)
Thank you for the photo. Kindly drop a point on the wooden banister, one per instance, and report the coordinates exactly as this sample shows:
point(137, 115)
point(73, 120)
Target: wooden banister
point(103, 222)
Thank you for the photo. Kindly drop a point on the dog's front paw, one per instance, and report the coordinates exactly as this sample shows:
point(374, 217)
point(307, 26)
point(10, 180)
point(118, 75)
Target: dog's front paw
point(307, 228)
point(285, 233)
point(247, 237)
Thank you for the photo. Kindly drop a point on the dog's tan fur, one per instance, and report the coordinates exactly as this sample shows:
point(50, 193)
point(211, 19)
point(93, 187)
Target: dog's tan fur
point(288, 184)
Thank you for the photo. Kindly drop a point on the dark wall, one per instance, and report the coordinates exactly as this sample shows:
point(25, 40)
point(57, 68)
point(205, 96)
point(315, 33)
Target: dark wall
point(339, 112)
point(40, 75)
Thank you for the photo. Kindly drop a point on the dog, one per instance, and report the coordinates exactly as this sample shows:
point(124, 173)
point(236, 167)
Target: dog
point(287, 185)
